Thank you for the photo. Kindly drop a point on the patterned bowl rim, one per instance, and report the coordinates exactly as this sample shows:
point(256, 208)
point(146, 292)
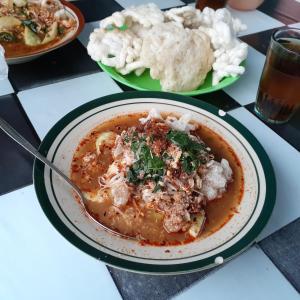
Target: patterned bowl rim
point(247, 240)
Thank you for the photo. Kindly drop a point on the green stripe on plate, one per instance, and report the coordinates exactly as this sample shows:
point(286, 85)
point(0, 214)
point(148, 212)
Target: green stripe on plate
point(244, 242)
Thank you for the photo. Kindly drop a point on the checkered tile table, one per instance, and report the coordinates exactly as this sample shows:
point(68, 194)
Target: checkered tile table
point(37, 263)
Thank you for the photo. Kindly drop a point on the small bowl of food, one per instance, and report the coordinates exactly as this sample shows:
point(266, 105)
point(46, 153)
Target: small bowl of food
point(180, 185)
point(31, 28)
point(182, 50)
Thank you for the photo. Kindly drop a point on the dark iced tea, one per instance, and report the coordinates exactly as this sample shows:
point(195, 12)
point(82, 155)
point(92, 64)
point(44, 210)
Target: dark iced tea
point(278, 94)
point(215, 4)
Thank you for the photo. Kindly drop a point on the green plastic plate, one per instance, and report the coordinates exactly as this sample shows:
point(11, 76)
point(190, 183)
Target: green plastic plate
point(146, 83)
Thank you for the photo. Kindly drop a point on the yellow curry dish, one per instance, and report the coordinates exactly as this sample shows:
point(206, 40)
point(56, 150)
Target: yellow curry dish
point(28, 26)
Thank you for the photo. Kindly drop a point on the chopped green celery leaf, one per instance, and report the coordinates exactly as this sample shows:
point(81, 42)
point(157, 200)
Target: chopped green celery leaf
point(6, 36)
point(179, 138)
point(60, 30)
point(190, 158)
point(151, 165)
point(30, 24)
point(157, 188)
point(134, 146)
point(183, 140)
point(131, 176)
point(166, 156)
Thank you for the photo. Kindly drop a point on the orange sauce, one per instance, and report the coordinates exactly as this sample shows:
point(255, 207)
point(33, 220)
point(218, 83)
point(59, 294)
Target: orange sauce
point(15, 49)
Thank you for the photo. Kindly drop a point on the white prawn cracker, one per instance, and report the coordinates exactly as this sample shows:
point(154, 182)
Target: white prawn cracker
point(180, 58)
point(179, 46)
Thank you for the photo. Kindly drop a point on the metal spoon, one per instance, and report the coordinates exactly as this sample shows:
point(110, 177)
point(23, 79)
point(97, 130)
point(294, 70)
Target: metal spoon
point(17, 137)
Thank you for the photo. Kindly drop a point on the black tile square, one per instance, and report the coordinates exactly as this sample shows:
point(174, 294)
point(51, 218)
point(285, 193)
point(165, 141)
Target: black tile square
point(64, 63)
point(189, 1)
point(283, 248)
point(285, 11)
point(124, 87)
point(219, 99)
point(289, 131)
point(260, 40)
point(15, 163)
point(94, 10)
point(144, 287)
point(177, 6)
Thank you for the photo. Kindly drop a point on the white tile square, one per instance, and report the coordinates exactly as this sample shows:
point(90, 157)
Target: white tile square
point(87, 30)
point(160, 3)
point(47, 104)
point(255, 20)
point(295, 25)
point(286, 161)
point(250, 276)
point(5, 87)
point(244, 90)
point(38, 263)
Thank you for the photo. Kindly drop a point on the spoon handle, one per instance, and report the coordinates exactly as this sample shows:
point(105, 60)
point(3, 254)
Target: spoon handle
point(16, 136)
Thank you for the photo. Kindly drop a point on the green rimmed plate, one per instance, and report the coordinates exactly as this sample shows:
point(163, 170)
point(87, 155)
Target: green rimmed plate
point(69, 218)
point(146, 83)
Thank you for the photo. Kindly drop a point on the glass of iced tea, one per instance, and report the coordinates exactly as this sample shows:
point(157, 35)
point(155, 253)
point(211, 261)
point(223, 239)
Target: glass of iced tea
point(278, 94)
point(214, 4)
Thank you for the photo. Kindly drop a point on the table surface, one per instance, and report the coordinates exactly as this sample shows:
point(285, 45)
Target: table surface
point(37, 263)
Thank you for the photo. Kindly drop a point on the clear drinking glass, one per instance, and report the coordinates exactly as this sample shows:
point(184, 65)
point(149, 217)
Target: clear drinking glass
point(278, 95)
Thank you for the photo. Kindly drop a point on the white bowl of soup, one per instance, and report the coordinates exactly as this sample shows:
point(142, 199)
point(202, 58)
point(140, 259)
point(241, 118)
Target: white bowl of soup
point(185, 182)
point(31, 28)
